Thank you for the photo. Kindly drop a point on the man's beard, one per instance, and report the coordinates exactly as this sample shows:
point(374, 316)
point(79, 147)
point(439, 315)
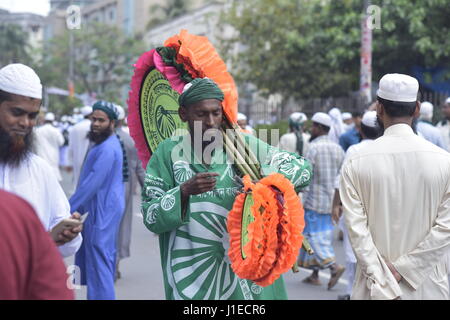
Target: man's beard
point(99, 137)
point(14, 149)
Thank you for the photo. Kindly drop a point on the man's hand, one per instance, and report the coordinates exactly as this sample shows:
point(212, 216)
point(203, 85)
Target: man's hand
point(336, 213)
point(68, 235)
point(200, 183)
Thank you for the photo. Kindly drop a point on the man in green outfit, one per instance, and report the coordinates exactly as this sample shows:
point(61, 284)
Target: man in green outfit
point(188, 193)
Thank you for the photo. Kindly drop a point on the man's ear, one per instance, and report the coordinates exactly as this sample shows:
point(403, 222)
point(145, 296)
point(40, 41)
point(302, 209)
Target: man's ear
point(380, 110)
point(416, 113)
point(112, 124)
point(183, 113)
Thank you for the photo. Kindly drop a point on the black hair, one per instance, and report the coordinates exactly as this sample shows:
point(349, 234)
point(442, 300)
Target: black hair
point(5, 96)
point(357, 114)
point(324, 128)
point(370, 132)
point(396, 109)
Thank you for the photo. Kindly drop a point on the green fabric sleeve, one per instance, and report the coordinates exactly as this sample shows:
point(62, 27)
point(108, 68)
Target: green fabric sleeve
point(294, 167)
point(161, 197)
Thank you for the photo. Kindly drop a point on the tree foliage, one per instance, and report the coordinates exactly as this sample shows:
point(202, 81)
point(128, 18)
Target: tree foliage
point(14, 45)
point(103, 61)
point(171, 10)
point(311, 48)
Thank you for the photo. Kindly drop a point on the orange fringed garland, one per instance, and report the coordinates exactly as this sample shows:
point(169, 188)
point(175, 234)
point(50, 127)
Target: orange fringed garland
point(274, 235)
point(200, 59)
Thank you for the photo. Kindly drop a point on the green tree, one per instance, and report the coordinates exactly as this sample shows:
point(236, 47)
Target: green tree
point(14, 45)
point(171, 10)
point(103, 61)
point(311, 48)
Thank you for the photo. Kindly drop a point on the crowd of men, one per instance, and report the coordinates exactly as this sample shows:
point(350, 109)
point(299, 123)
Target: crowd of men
point(382, 175)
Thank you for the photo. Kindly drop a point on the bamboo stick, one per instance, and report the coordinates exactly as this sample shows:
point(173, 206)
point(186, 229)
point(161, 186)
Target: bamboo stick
point(237, 157)
point(253, 161)
point(307, 247)
point(241, 151)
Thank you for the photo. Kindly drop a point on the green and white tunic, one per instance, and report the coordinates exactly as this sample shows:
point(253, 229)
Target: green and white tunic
point(194, 250)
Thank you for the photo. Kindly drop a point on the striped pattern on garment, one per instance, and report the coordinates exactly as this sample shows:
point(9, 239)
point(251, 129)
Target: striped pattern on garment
point(319, 232)
point(326, 158)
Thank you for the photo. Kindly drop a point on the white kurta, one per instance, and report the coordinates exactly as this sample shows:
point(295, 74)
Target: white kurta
point(396, 199)
point(78, 146)
point(48, 141)
point(34, 181)
point(349, 254)
point(288, 142)
point(444, 128)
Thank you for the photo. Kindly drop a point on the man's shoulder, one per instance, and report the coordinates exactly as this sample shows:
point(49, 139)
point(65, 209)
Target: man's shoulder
point(325, 143)
point(38, 165)
point(442, 124)
point(36, 160)
point(350, 133)
point(82, 125)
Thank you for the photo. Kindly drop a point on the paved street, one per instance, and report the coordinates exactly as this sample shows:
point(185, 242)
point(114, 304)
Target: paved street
point(142, 275)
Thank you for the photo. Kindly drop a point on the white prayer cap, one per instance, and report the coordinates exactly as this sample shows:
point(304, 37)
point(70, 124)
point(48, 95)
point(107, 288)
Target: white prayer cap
point(398, 87)
point(49, 116)
point(86, 110)
point(120, 112)
point(322, 118)
point(298, 117)
point(426, 109)
point(346, 115)
point(335, 113)
point(241, 116)
point(369, 119)
point(19, 79)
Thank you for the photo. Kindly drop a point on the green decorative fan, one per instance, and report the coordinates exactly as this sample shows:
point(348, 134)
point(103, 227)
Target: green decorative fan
point(247, 218)
point(159, 109)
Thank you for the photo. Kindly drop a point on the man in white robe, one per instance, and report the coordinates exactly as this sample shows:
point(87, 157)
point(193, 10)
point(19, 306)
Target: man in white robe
point(22, 172)
point(48, 141)
point(396, 200)
point(79, 144)
point(295, 141)
point(444, 125)
point(369, 131)
point(425, 126)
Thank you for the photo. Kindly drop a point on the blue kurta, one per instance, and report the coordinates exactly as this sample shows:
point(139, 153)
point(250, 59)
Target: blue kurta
point(100, 192)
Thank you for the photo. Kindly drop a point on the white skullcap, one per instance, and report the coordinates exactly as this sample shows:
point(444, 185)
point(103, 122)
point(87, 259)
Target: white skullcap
point(322, 118)
point(49, 116)
point(241, 116)
point(298, 117)
point(86, 110)
point(120, 112)
point(346, 115)
point(369, 119)
point(19, 79)
point(335, 113)
point(398, 87)
point(426, 109)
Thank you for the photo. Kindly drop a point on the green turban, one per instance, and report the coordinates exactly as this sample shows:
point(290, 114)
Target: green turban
point(200, 89)
point(109, 108)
